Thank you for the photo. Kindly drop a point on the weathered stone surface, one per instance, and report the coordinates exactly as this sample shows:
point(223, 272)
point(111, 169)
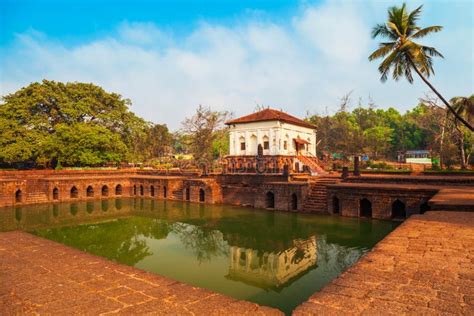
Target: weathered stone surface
point(425, 267)
point(39, 276)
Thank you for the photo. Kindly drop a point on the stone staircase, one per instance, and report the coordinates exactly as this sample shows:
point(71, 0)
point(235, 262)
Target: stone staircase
point(312, 163)
point(317, 201)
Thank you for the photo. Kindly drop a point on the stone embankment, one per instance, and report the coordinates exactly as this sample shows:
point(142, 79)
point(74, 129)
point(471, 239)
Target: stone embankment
point(38, 276)
point(425, 266)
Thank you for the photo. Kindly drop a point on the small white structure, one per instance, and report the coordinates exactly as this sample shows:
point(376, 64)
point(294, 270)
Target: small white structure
point(278, 134)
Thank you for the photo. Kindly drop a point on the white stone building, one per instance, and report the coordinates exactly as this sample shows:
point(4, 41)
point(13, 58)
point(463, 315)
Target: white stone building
point(278, 133)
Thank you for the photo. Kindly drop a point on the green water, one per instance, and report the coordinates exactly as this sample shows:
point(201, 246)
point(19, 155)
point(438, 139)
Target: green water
point(271, 258)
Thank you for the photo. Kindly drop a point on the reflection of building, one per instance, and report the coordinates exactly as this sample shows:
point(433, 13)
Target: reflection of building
point(270, 269)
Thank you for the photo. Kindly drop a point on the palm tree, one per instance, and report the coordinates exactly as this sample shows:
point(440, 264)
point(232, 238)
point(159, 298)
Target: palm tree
point(404, 55)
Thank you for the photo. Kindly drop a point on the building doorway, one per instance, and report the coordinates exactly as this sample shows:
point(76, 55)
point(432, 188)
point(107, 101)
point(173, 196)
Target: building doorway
point(294, 202)
point(202, 195)
point(270, 200)
point(365, 208)
point(398, 210)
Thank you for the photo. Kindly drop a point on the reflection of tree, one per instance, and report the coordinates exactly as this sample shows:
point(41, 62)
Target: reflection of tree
point(119, 240)
point(203, 241)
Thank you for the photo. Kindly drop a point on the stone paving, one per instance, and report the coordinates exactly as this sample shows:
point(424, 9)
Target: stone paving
point(425, 266)
point(39, 276)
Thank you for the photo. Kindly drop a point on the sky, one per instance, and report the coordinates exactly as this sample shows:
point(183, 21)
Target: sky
point(168, 57)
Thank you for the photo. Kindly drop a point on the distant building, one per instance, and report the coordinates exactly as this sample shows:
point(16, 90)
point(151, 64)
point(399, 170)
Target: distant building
point(415, 157)
point(273, 138)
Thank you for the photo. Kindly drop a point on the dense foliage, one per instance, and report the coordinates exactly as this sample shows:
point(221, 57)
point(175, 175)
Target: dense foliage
point(383, 133)
point(76, 124)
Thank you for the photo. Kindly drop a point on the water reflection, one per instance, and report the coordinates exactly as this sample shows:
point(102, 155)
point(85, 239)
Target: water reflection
point(271, 258)
point(272, 269)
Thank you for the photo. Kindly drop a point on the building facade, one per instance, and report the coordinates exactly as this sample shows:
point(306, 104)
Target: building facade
point(273, 139)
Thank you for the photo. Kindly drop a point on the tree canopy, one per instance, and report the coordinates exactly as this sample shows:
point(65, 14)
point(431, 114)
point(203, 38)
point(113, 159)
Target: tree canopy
point(73, 123)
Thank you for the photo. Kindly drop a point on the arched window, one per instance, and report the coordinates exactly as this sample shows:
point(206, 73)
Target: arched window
point(187, 194)
point(165, 192)
point(18, 196)
point(105, 190)
point(266, 143)
point(202, 195)
point(242, 143)
point(294, 202)
point(335, 205)
point(118, 189)
point(253, 144)
point(141, 190)
point(152, 190)
point(55, 194)
point(74, 193)
point(365, 207)
point(398, 209)
point(90, 191)
point(270, 200)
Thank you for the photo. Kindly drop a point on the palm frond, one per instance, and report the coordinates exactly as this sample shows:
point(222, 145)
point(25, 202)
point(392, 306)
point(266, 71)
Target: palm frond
point(412, 18)
point(383, 31)
point(383, 50)
point(387, 63)
point(394, 27)
point(426, 31)
point(431, 51)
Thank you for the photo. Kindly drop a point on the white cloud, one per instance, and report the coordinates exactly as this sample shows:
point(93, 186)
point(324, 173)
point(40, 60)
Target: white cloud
point(305, 64)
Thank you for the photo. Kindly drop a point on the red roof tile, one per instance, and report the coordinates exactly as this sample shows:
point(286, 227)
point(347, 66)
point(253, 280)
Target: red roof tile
point(270, 115)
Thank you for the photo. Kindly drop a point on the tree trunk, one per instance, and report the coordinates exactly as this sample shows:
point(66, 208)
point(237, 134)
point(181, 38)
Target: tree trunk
point(462, 154)
point(440, 96)
point(441, 143)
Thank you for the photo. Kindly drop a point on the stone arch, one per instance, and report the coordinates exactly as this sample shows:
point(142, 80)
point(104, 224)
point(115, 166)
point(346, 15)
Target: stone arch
point(90, 191)
point(142, 190)
point(55, 194)
point(424, 207)
point(165, 191)
point(399, 209)
point(253, 144)
point(187, 193)
point(365, 208)
point(335, 205)
point(18, 196)
point(118, 189)
point(105, 190)
point(202, 195)
point(152, 190)
point(74, 192)
point(134, 189)
point(294, 202)
point(270, 200)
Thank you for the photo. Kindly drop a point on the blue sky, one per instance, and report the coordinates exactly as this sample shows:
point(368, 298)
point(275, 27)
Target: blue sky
point(170, 56)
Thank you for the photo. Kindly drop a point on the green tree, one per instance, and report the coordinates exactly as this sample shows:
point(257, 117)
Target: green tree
point(46, 122)
point(402, 54)
point(379, 139)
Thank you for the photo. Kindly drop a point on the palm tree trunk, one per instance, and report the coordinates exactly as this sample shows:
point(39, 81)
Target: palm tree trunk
point(440, 96)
